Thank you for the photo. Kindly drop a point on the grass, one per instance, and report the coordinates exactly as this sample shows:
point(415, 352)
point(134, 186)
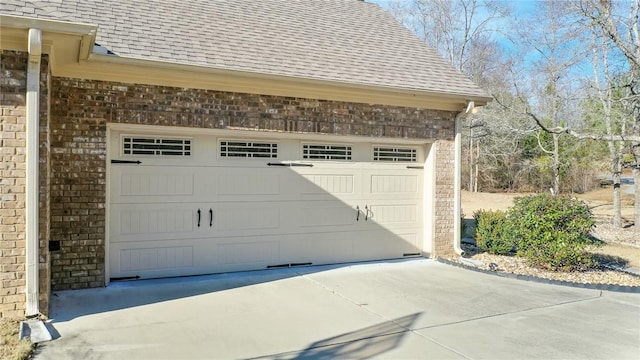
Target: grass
point(11, 348)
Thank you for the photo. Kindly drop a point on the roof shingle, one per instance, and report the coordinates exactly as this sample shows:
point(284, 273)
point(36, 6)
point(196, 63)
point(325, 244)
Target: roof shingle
point(335, 40)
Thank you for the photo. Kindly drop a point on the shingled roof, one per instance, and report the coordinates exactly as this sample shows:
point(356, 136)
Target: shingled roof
point(345, 41)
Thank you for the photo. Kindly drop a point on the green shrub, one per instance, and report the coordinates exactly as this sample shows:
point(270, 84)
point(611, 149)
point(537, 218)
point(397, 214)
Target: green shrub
point(552, 231)
point(493, 232)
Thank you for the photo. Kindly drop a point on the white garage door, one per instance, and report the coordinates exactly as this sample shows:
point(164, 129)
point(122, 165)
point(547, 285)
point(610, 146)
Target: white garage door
point(206, 204)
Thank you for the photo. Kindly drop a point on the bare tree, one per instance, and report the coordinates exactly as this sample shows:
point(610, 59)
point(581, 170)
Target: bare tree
point(603, 84)
point(461, 31)
point(551, 52)
point(613, 32)
point(451, 26)
point(617, 23)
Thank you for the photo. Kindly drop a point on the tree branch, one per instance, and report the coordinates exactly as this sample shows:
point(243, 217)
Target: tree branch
point(581, 136)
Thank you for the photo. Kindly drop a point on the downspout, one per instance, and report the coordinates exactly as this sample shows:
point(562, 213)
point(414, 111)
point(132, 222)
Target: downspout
point(33, 160)
point(457, 172)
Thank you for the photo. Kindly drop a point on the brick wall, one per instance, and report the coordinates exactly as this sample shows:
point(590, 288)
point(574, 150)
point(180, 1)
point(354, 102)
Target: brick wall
point(444, 202)
point(80, 100)
point(13, 181)
point(13, 84)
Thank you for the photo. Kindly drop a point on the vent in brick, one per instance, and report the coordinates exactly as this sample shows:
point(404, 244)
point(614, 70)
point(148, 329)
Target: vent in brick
point(326, 152)
point(394, 154)
point(248, 149)
point(156, 146)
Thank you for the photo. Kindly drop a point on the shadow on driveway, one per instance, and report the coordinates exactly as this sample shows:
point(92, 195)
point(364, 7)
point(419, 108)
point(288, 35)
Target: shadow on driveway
point(69, 304)
point(360, 344)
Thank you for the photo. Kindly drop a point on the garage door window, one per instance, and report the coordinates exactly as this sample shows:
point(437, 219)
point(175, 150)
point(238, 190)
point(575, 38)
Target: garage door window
point(248, 149)
point(326, 152)
point(394, 154)
point(156, 146)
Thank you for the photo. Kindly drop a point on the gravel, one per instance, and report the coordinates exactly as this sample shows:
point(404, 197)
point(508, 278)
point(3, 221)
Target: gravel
point(606, 232)
point(516, 265)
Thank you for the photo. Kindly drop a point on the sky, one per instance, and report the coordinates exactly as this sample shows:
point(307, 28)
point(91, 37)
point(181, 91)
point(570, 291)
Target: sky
point(522, 7)
point(521, 10)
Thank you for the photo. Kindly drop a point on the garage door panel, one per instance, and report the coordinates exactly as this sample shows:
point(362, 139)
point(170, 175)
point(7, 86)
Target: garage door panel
point(247, 183)
point(396, 213)
point(152, 184)
point(318, 248)
point(134, 222)
point(165, 184)
point(328, 181)
point(156, 258)
point(153, 221)
point(235, 219)
point(323, 216)
point(258, 251)
point(147, 259)
point(385, 245)
point(323, 184)
point(248, 216)
point(393, 184)
point(193, 256)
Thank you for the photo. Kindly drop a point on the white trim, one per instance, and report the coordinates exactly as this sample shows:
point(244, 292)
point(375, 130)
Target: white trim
point(429, 204)
point(32, 164)
point(107, 203)
point(230, 134)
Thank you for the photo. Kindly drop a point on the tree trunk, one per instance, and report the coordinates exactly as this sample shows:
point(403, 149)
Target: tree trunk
point(471, 160)
point(636, 189)
point(475, 183)
point(617, 201)
point(615, 154)
point(556, 164)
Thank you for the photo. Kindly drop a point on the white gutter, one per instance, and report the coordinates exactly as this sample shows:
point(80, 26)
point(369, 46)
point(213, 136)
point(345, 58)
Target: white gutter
point(457, 173)
point(62, 27)
point(32, 160)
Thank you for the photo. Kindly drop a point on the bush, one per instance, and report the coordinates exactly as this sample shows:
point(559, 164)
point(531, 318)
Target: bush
point(492, 232)
point(552, 231)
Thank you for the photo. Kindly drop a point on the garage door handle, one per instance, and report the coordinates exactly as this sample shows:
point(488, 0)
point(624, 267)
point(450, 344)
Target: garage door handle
point(198, 217)
point(210, 217)
point(357, 213)
point(366, 213)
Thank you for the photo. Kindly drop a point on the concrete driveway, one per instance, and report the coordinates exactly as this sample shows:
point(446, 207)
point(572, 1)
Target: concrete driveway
point(418, 309)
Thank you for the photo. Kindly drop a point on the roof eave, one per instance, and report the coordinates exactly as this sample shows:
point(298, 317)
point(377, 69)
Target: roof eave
point(174, 66)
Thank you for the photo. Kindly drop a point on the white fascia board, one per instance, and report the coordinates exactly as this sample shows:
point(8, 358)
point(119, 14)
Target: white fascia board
point(259, 134)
